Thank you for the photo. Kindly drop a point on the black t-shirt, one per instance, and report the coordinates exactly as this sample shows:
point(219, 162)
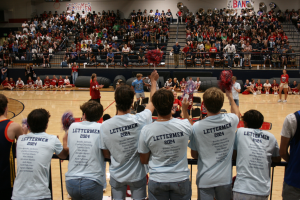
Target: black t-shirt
point(133, 14)
point(175, 84)
point(139, 13)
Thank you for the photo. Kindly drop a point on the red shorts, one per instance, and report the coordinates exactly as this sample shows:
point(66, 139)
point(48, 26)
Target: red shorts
point(52, 83)
point(20, 85)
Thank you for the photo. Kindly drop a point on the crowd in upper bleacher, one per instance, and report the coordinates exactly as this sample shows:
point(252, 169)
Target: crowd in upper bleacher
point(94, 34)
point(238, 39)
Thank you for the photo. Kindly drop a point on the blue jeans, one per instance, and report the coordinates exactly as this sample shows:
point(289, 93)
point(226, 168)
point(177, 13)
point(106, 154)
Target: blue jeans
point(274, 64)
point(220, 192)
point(3, 76)
point(74, 77)
point(169, 190)
point(230, 60)
point(80, 189)
point(237, 102)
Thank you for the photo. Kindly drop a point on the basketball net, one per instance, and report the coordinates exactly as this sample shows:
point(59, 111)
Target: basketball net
point(56, 4)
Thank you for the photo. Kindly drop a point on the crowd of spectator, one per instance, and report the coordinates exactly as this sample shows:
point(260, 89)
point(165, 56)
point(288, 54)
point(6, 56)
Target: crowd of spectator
point(237, 40)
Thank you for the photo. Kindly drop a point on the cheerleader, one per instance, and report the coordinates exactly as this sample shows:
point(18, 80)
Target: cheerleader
point(30, 83)
point(67, 83)
point(19, 83)
point(38, 83)
point(6, 84)
point(11, 82)
point(47, 82)
point(61, 82)
point(53, 82)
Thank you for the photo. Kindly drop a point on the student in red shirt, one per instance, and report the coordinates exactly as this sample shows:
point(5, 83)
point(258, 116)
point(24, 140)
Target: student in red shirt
point(47, 82)
point(74, 72)
point(203, 111)
point(176, 110)
point(213, 50)
point(284, 80)
point(60, 82)
point(53, 82)
point(11, 82)
point(274, 87)
point(258, 86)
point(30, 83)
point(6, 85)
point(94, 89)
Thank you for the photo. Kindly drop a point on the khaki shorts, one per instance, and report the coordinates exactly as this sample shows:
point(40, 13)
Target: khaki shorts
point(242, 196)
point(284, 85)
point(290, 192)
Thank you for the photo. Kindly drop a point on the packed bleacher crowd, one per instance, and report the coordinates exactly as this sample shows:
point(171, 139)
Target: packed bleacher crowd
point(237, 40)
point(97, 36)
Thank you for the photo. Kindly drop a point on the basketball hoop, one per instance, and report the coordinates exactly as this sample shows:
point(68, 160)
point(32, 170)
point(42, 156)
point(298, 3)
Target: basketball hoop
point(56, 5)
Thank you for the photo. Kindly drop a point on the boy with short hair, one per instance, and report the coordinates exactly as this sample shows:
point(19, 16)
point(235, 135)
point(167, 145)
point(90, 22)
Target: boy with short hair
point(254, 150)
point(35, 151)
point(138, 86)
point(212, 144)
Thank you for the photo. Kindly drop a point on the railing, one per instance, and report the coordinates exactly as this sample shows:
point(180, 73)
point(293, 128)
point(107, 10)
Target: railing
point(191, 162)
point(134, 60)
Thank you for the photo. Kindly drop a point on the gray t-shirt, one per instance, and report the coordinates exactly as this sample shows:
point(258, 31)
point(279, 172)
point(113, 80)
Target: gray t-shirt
point(34, 154)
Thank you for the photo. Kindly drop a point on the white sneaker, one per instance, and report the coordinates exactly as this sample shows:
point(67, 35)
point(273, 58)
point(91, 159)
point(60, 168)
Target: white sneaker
point(275, 93)
point(279, 100)
point(270, 66)
point(284, 101)
point(264, 66)
point(267, 92)
point(254, 93)
point(284, 67)
point(239, 66)
point(212, 67)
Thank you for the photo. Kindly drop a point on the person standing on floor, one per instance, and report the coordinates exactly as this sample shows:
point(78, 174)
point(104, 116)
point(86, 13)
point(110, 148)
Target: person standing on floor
point(95, 89)
point(284, 85)
point(212, 144)
point(176, 49)
point(290, 139)
point(119, 142)
point(163, 145)
point(74, 72)
point(9, 131)
point(235, 90)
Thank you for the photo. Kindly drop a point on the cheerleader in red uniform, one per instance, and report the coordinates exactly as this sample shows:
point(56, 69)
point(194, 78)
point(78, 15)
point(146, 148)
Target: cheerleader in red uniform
point(94, 89)
point(6, 85)
point(53, 82)
point(47, 82)
point(30, 83)
point(12, 83)
point(61, 82)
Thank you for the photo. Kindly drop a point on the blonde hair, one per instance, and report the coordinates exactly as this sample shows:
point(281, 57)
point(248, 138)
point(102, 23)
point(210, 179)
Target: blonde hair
point(233, 78)
point(139, 75)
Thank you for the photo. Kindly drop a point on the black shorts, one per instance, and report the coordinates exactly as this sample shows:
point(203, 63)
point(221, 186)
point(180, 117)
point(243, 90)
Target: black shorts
point(212, 55)
point(6, 194)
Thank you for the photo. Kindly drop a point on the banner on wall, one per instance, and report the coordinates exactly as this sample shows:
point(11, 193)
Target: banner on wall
point(238, 4)
point(78, 7)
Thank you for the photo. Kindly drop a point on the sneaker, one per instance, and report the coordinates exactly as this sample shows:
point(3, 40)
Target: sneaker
point(254, 93)
point(279, 100)
point(270, 66)
point(264, 66)
point(212, 67)
point(267, 92)
point(104, 190)
point(275, 93)
point(284, 101)
point(239, 66)
point(284, 67)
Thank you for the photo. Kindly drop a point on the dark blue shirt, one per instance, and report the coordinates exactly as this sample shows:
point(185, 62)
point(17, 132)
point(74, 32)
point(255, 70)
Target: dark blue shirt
point(176, 49)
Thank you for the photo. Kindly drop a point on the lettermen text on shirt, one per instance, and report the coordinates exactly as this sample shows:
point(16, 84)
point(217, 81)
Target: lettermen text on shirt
point(123, 128)
point(168, 136)
point(218, 128)
point(256, 136)
point(34, 140)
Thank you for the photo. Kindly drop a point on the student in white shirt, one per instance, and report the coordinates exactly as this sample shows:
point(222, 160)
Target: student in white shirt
point(163, 145)
point(212, 144)
point(235, 90)
point(20, 83)
point(254, 150)
point(67, 82)
point(267, 87)
point(168, 84)
point(25, 27)
point(35, 151)
point(197, 84)
point(38, 83)
point(119, 142)
point(84, 179)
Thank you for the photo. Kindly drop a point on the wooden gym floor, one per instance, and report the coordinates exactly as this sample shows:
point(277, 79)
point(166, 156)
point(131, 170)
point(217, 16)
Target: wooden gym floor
point(57, 102)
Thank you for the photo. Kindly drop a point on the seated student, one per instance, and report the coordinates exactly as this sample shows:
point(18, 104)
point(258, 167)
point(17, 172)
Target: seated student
point(67, 82)
point(203, 111)
point(267, 86)
point(253, 85)
point(39, 147)
point(258, 86)
point(60, 82)
point(275, 87)
point(47, 82)
point(176, 85)
point(12, 83)
point(197, 84)
point(168, 84)
point(248, 87)
point(110, 56)
point(293, 88)
point(53, 82)
point(292, 59)
point(168, 168)
point(182, 84)
point(38, 83)
point(176, 110)
point(214, 177)
point(30, 83)
point(84, 179)
point(254, 156)
point(6, 84)
point(19, 83)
